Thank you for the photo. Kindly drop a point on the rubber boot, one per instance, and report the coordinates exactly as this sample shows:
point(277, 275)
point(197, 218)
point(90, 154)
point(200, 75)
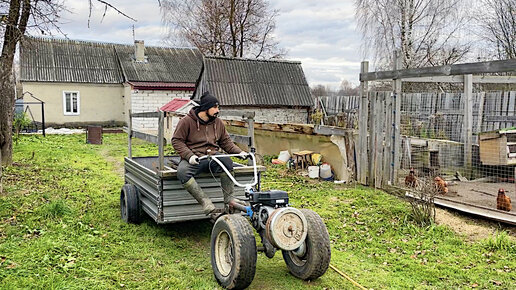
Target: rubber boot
point(228, 188)
point(196, 191)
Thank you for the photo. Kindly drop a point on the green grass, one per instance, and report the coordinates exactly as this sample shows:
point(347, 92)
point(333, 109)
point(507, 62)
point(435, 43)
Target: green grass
point(60, 228)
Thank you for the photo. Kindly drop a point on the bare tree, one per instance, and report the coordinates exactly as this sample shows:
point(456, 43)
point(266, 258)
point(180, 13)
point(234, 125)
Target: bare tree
point(239, 28)
point(348, 89)
point(16, 18)
point(497, 20)
point(426, 31)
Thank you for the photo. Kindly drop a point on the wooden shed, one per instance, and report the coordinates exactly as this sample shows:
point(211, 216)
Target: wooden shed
point(498, 147)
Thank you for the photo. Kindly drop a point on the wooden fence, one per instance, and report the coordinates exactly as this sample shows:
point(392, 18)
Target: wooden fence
point(435, 115)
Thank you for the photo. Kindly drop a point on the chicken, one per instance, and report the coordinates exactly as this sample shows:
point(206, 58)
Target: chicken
point(411, 179)
point(503, 202)
point(441, 185)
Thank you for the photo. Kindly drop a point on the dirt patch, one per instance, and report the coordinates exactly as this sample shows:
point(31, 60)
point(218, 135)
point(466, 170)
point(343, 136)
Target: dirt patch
point(117, 164)
point(472, 228)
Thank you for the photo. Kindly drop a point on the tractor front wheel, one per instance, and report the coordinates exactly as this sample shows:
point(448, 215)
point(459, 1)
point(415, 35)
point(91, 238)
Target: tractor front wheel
point(312, 259)
point(233, 252)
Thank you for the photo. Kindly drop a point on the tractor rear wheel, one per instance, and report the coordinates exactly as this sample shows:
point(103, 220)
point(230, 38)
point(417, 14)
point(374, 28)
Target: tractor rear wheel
point(130, 204)
point(233, 251)
point(312, 259)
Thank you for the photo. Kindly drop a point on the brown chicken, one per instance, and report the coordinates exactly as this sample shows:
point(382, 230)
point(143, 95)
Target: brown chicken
point(441, 185)
point(411, 179)
point(503, 202)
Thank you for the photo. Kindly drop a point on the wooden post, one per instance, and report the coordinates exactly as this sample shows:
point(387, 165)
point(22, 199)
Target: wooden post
point(387, 151)
point(129, 136)
point(362, 127)
point(480, 119)
point(396, 120)
point(373, 135)
point(160, 140)
point(43, 118)
point(468, 122)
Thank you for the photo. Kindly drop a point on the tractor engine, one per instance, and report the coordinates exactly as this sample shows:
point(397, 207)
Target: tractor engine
point(280, 226)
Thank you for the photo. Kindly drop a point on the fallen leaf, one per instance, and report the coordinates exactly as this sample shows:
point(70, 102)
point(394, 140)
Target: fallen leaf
point(475, 285)
point(497, 283)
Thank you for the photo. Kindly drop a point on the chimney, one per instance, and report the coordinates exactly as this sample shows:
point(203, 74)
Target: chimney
point(139, 51)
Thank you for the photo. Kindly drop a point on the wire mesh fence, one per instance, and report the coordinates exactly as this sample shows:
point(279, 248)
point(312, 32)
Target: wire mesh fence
point(433, 145)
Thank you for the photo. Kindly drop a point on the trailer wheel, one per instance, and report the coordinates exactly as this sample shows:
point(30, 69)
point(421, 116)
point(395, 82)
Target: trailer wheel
point(312, 259)
point(130, 204)
point(233, 252)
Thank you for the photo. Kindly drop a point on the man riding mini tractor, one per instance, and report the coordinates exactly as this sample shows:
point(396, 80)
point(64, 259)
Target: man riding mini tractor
point(160, 192)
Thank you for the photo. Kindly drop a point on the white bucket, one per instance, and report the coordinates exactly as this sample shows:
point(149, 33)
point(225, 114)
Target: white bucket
point(284, 156)
point(313, 171)
point(325, 171)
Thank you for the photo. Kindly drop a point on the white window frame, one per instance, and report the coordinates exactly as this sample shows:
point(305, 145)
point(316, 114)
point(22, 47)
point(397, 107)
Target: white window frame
point(78, 103)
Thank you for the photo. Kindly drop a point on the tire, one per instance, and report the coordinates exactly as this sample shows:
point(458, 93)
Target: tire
point(316, 259)
point(233, 252)
point(130, 204)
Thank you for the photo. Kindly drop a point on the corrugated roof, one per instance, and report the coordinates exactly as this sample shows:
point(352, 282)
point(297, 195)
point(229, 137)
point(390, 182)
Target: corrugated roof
point(181, 65)
point(238, 81)
point(174, 105)
point(58, 60)
point(55, 60)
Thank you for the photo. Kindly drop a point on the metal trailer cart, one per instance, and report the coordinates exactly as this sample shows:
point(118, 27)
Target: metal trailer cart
point(151, 185)
point(301, 235)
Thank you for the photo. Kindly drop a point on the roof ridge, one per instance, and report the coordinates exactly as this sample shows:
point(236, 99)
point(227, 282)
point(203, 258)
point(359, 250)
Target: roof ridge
point(252, 59)
point(98, 42)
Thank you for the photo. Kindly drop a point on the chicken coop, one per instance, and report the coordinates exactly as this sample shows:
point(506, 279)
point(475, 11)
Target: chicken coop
point(498, 147)
point(461, 140)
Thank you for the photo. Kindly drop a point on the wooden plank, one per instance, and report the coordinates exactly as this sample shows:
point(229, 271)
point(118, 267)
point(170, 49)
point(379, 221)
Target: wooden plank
point(387, 152)
point(455, 69)
point(498, 105)
point(396, 122)
point(362, 127)
point(511, 110)
point(380, 115)
point(499, 119)
point(460, 79)
point(504, 108)
point(373, 134)
point(468, 123)
point(480, 117)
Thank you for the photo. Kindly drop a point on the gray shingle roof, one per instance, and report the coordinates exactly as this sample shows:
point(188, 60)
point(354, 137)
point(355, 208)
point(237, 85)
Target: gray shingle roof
point(53, 60)
point(238, 81)
point(179, 65)
point(58, 60)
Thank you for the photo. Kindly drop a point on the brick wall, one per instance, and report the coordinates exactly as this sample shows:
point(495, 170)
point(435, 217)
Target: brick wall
point(276, 115)
point(150, 101)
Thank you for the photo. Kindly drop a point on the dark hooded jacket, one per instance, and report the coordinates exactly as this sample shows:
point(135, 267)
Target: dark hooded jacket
point(194, 136)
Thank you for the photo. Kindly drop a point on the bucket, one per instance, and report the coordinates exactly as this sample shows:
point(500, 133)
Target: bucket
point(313, 171)
point(325, 171)
point(284, 156)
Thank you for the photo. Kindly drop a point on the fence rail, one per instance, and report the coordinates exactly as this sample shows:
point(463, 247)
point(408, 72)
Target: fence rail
point(434, 115)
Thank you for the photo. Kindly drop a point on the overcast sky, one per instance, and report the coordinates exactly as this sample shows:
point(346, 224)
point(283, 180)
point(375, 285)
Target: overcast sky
point(320, 33)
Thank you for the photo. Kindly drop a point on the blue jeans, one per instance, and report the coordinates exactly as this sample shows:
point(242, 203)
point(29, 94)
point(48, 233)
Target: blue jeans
point(185, 170)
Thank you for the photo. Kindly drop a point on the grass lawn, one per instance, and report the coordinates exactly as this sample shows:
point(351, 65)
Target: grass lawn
point(60, 227)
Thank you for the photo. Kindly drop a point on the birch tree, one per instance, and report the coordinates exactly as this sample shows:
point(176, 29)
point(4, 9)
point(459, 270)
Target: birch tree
point(239, 28)
point(497, 21)
point(428, 32)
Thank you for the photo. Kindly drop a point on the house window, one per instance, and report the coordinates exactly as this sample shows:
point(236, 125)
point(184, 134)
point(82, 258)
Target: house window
point(71, 103)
